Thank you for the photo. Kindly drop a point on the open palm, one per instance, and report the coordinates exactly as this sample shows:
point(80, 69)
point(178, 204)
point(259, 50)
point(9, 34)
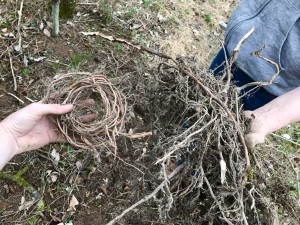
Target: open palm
point(30, 128)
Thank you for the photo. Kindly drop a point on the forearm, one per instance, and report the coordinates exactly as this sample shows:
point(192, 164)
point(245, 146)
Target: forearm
point(283, 110)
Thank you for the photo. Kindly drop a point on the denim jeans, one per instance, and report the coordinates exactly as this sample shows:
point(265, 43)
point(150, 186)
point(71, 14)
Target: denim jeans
point(255, 98)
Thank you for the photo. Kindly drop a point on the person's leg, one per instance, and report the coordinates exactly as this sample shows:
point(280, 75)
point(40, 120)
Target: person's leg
point(253, 99)
point(218, 64)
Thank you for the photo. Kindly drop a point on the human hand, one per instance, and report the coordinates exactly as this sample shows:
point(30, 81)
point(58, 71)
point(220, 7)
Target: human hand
point(30, 127)
point(271, 117)
point(258, 129)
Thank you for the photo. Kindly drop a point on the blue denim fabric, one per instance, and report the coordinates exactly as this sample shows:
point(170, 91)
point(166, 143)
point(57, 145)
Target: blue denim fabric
point(254, 99)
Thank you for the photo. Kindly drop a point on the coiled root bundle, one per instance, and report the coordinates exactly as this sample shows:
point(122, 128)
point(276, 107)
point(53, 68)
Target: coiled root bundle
point(107, 108)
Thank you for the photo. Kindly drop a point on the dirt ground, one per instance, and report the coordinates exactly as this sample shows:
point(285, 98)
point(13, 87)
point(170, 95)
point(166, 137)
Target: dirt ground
point(40, 190)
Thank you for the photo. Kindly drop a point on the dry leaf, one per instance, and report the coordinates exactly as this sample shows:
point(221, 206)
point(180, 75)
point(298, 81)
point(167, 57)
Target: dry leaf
point(104, 190)
point(25, 205)
point(25, 60)
point(73, 203)
point(55, 156)
point(51, 176)
point(161, 18)
point(46, 32)
point(11, 35)
point(17, 48)
point(36, 59)
point(135, 26)
point(79, 164)
point(41, 26)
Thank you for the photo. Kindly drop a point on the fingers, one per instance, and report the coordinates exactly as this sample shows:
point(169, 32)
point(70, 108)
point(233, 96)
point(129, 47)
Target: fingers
point(57, 109)
point(87, 118)
point(85, 103)
point(59, 138)
point(252, 139)
point(257, 129)
point(249, 114)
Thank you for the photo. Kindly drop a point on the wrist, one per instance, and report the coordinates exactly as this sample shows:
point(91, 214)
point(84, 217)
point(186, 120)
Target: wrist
point(8, 141)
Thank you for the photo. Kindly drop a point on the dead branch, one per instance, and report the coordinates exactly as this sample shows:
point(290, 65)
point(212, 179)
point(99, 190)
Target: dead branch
point(19, 48)
point(12, 72)
point(236, 50)
point(136, 135)
point(257, 53)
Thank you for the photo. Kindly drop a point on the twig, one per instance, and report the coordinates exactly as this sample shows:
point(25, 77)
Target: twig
point(136, 135)
point(238, 46)
point(146, 198)
point(88, 3)
point(20, 100)
point(19, 26)
point(276, 135)
point(296, 171)
point(128, 164)
point(267, 82)
point(216, 200)
point(182, 143)
point(29, 99)
point(12, 72)
point(56, 61)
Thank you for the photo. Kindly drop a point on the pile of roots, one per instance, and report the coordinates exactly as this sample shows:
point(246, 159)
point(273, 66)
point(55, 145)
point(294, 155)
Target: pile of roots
point(207, 175)
point(198, 167)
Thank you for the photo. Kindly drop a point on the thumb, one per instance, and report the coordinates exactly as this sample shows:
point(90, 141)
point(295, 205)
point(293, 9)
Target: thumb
point(252, 139)
point(249, 114)
point(56, 109)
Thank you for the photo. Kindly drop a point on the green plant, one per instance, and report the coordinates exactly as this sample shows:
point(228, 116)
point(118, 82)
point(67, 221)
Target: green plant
point(42, 207)
point(147, 3)
point(66, 9)
point(157, 6)
point(76, 60)
point(5, 24)
point(4, 71)
point(32, 220)
point(117, 47)
point(287, 145)
point(207, 18)
point(25, 71)
point(130, 13)
point(106, 12)
point(97, 202)
point(55, 66)
point(186, 12)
